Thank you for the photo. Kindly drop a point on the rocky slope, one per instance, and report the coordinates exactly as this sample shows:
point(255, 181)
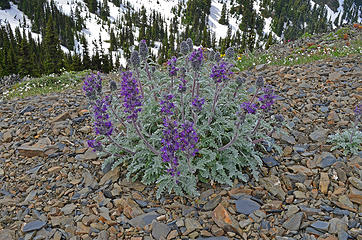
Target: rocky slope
point(52, 186)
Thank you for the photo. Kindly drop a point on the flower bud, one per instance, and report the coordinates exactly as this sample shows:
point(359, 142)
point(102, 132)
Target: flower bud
point(260, 82)
point(217, 57)
point(182, 72)
point(211, 55)
point(279, 118)
point(184, 48)
point(135, 59)
point(230, 53)
point(143, 49)
point(190, 44)
point(240, 81)
point(113, 85)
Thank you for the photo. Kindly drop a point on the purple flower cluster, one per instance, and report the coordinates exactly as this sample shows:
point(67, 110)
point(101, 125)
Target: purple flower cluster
point(188, 138)
point(177, 138)
point(131, 96)
point(92, 86)
point(171, 144)
point(197, 103)
point(172, 66)
point(267, 99)
point(182, 85)
point(96, 145)
point(167, 105)
point(196, 58)
point(249, 108)
point(102, 124)
point(221, 72)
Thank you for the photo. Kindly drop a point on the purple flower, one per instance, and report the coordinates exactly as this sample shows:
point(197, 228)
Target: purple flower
point(182, 85)
point(172, 66)
point(221, 72)
point(131, 96)
point(92, 86)
point(170, 146)
point(267, 99)
point(96, 145)
point(188, 138)
point(197, 103)
point(102, 124)
point(358, 110)
point(196, 58)
point(249, 107)
point(167, 105)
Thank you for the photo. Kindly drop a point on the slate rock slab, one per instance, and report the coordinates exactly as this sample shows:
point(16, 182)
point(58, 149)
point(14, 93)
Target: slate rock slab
point(270, 162)
point(143, 220)
point(320, 225)
point(160, 230)
point(327, 161)
point(319, 135)
point(213, 238)
point(246, 206)
point(293, 223)
point(34, 225)
point(211, 205)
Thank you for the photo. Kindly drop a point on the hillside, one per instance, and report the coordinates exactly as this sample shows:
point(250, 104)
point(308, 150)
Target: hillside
point(53, 187)
point(107, 30)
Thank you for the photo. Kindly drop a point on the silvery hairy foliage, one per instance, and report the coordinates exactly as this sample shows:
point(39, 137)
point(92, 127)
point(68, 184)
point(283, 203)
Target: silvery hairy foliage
point(349, 140)
point(190, 122)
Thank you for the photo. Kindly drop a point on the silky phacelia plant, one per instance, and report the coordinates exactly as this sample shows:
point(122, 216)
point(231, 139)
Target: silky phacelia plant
point(350, 140)
point(191, 121)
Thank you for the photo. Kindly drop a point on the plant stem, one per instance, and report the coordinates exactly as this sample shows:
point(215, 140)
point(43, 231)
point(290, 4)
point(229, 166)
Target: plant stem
point(193, 85)
point(195, 119)
point(171, 87)
point(120, 147)
point(182, 107)
point(254, 96)
point(256, 126)
point(354, 129)
point(118, 118)
point(148, 72)
point(144, 139)
point(189, 163)
point(236, 91)
point(214, 103)
point(236, 135)
point(139, 82)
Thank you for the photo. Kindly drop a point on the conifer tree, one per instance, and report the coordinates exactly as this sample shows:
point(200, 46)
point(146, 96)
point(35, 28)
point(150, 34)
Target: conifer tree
point(53, 54)
point(223, 18)
point(4, 4)
point(24, 58)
